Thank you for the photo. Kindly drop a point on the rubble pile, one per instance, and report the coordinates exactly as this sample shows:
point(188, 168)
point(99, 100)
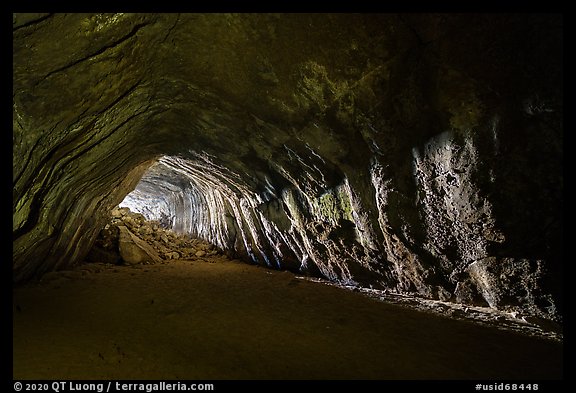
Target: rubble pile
point(130, 238)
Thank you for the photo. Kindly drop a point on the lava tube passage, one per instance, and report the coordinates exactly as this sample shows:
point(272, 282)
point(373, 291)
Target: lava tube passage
point(288, 196)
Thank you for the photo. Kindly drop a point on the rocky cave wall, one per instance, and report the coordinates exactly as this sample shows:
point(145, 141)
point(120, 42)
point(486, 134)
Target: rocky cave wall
point(418, 153)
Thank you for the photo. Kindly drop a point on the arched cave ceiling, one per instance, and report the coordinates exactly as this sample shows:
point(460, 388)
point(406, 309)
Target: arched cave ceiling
point(416, 152)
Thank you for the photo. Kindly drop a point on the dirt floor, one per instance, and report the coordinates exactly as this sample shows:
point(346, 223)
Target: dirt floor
point(229, 320)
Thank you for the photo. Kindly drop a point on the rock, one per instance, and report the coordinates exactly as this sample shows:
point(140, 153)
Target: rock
point(162, 247)
point(200, 253)
point(171, 245)
point(138, 218)
point(372, 149)
point(188, 251)
point(98, 254)
point(134, 250)
point(144, 231)
point(173, 255)
point(443, 294)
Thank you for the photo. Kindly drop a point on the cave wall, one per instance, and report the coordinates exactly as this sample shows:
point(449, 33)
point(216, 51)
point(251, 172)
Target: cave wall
point(420, 153)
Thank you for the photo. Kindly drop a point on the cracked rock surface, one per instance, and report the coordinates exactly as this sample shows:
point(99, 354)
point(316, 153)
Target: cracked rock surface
point(420, 154)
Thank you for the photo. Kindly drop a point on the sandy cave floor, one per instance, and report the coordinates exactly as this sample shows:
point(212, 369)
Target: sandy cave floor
point(230, 320)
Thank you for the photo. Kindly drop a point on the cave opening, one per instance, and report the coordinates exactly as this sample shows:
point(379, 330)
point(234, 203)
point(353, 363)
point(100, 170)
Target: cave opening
point(165, 196)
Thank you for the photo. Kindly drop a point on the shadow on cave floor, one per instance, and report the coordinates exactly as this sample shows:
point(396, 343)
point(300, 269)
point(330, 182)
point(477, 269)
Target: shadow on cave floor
point(230, 320)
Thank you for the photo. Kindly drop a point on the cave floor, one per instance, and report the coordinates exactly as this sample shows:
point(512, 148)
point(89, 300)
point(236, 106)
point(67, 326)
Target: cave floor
point(230, 320)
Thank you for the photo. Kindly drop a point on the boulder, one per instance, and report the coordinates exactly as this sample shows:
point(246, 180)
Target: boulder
point(134, 250)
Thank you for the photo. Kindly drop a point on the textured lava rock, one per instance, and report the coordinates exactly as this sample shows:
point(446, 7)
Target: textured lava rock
point(135, 251)
point(417, 153)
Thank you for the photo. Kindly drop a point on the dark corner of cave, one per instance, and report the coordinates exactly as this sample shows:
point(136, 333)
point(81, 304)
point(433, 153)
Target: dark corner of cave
point(288, 196)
